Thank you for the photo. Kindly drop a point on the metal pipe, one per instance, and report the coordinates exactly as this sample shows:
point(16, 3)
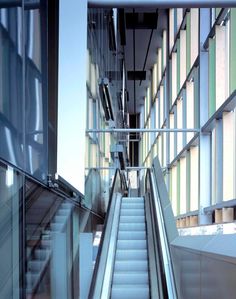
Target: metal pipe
point(136, 167)
point(135, 130)
point(126, 168)
point(162, 3)
point(100, 168)
point(129, 140)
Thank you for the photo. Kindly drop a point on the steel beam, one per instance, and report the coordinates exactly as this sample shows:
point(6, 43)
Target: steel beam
point(100, 168)
point(118, 130)
point(136, 167)
point(162, 3)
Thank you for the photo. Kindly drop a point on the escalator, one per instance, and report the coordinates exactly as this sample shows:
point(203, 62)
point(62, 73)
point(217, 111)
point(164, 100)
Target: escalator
point(134, 256)
point(131, 275)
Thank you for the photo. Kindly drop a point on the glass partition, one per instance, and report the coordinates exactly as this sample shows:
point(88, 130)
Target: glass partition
point(11, 191)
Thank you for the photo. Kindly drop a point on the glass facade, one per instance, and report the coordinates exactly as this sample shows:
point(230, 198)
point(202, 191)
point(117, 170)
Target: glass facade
point(39, 229)
point(181, 106)
point(11, 190)
point(23, 87)
point(102, 62)
point(40, 223)
point(39, 233)
point(11, 85)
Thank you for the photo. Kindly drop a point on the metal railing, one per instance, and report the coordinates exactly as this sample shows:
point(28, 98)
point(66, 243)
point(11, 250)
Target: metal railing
point(101, 282)
point(164, 270)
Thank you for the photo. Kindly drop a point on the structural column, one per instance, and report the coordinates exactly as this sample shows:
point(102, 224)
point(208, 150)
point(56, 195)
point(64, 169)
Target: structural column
point(205, 142)
point(72, 96)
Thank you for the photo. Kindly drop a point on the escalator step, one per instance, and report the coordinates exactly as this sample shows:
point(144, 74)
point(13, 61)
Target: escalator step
point(132, 219)
point(135, 235)
point(130, 227)
point(132, 212)
point(134, 254)
point(131, 205)
point(134, 277)
point(130, 292)
point(139, 265)
point(132, 200)
point(131, 244)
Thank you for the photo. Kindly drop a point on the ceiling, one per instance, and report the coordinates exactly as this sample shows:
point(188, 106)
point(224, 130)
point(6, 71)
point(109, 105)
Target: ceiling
point(141, 33)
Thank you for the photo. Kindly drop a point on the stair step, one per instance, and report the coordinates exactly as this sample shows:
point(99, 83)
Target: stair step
point(41, 254)
point(138, 265)
point(35, 266)
point(131, 244)
point(66, 205)
point(131, 254)
point(131, 205)
point(31, 280)
point(130, 277)
point(46, 243)
point(63, 212)
point(56, 226)
point(60, 219)
point(132, 219)
point(130, 291)
point(132, 212)
point(132, 200)
point(132, 227)
point(135, 235)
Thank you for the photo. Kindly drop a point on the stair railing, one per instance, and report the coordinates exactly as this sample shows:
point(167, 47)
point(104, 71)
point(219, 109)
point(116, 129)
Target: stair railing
point(161, 242)
point(102, 276)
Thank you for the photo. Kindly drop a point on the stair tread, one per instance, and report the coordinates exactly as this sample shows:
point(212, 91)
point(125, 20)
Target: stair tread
point(130, 292)
point(132, 226)
point(130, 286)
point(132, 219)
point(133, 265)
point(135, 235)
point(130, 277)
point(131, 273)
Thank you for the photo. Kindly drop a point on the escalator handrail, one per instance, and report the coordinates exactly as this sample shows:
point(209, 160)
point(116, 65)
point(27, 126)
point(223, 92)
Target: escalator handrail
point(164, 245)
point(95, 277)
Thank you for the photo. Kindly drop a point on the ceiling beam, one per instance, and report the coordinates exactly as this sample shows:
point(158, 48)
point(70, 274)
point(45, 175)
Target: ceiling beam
point(138, 130)
point(161, 3)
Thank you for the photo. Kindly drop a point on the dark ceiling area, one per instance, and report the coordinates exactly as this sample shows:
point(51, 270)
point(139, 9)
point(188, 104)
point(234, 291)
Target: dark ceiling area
point(140, 35)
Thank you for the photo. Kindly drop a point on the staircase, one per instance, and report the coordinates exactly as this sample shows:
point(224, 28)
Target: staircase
point(131, 275)
point(39, 259)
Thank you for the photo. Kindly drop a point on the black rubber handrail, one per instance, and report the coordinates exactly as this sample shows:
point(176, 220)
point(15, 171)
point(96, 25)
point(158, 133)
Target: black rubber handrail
point(94, 278)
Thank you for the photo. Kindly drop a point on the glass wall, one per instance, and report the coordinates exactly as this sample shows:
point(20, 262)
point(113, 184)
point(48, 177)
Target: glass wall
point(53, 227)
point(11, 84)
point(40, 239)
point(35, 28)
point(23, 86)
point(175, 102)
point(102, 62)
point(11, 192)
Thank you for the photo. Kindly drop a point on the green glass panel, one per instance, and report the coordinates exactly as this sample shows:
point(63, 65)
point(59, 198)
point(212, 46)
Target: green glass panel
point(162, 56)
point(217, 11)
point(89, 154)
point(212, 78)
point(170, 84)
point(188, 173)
point(232, 64)
point(178, 65)
point(178, 187)
point(196, 99)
point(175, 21)
point(188, 42)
